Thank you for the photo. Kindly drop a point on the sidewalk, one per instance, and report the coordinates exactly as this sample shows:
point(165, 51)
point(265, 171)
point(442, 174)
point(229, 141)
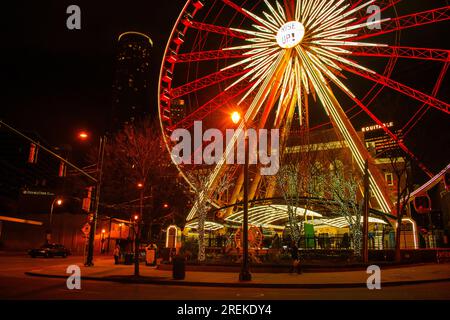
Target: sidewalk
point(105, 270)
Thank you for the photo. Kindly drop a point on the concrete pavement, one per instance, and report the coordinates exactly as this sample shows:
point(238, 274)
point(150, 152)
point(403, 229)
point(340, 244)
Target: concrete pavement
point(105, 270)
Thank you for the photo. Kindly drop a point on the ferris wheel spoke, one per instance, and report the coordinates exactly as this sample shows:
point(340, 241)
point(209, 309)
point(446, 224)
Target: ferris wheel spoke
point(393, 136)
point(261, 96)
point(383, 5)
point(207, 81)
point(402, 52)
point(241, 10)
point(424, 109)
point(341, 122)
point(404, 89)
point(211, 106)
point(207, 55)
point(410, 21)
point(217, 29)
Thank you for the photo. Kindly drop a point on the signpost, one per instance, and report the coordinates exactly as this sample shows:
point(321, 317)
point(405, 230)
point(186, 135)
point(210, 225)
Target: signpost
point(86, 229)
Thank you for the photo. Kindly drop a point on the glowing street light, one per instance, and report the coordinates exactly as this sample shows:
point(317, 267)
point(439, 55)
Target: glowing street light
point(140, 185)
point(235, 117)
point(83, 135)
point(58, 202)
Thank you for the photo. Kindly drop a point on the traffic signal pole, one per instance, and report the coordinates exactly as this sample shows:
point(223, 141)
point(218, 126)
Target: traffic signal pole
point(39, 146)
point(97, 181)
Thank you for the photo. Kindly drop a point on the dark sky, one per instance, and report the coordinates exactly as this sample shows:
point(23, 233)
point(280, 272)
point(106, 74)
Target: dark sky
point(56, 81)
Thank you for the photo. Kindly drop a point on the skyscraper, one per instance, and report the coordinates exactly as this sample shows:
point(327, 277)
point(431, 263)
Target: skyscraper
point(178, 110)
point(131, 87)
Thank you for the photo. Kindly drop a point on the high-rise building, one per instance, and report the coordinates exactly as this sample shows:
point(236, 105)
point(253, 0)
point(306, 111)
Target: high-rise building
point(131, 87)
point(178, 110)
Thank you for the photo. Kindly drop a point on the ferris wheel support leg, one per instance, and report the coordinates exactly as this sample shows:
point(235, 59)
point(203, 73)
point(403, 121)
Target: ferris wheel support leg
point(360, 153)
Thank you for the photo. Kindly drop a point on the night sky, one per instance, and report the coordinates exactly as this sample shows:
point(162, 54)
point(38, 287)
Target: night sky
point(56, 81)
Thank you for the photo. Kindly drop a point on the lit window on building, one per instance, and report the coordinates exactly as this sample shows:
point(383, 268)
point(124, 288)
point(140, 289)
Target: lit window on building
point(389, 179)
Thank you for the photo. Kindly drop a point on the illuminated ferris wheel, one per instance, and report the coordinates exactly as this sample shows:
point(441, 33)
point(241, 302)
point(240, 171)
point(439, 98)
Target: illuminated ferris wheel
point(285, 62)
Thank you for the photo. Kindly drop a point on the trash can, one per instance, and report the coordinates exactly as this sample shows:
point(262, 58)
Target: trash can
point(150, 255)
point(128, 258)
point(178, 268)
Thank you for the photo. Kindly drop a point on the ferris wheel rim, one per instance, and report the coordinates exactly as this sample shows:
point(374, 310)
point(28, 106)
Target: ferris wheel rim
point(163, 128)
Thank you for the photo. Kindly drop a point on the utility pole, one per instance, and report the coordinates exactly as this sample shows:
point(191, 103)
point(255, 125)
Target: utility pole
point(90, 254)
point(366, 213)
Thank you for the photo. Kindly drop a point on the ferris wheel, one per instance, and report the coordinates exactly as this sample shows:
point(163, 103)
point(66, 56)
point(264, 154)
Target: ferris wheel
point(286, 62)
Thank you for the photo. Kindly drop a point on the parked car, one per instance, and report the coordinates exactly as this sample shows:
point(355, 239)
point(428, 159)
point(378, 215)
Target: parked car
point(49, 251)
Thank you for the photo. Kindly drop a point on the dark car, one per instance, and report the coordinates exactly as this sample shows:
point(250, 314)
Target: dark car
point(49, 251)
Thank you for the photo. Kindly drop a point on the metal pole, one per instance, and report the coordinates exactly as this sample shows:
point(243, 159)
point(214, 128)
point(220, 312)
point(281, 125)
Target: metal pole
point(366, 214)
point(136, 238)
point(245, 274)
point(109, 234)
point(50, 222)
point(90, 255)
point(51, 213)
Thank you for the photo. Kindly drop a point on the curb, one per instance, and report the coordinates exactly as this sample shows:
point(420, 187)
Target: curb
point(143, 280)
point(285, 269)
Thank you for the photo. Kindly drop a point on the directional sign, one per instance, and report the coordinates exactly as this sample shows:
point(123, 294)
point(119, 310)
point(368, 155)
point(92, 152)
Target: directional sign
point(86, 228)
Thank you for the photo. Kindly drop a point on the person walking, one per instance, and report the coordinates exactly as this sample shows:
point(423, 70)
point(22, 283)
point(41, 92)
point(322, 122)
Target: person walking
point(295, 259)
point(116, 254)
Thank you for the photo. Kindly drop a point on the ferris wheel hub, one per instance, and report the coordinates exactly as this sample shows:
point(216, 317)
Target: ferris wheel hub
point(290, 34)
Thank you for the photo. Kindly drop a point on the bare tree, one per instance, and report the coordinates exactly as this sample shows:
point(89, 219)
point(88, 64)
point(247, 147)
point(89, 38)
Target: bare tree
point(204, 204)
point(401, 167)
point(344, 195)
point(135, 165)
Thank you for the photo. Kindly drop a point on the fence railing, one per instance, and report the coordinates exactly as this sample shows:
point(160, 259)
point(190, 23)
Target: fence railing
point(377, 242)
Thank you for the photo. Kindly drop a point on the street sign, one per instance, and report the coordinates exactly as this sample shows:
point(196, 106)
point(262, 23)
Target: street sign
point(86, 229)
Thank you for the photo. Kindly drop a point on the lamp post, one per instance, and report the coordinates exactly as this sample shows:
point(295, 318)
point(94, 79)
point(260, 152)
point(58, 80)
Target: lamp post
point(140, 186)
point(245, 274)
point(101, 154)
point(366, 213)
point(102, 249)
point(58, 202)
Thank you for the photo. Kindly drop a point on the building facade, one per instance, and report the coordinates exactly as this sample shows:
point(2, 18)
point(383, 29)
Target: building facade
point(131, 87)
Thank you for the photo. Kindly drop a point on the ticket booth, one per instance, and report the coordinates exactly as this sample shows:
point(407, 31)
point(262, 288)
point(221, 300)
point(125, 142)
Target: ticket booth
point(173, 238)
point(409, 236)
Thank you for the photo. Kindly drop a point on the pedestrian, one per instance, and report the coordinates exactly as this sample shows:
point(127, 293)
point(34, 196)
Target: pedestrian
point(116, 254)
point(295, 259)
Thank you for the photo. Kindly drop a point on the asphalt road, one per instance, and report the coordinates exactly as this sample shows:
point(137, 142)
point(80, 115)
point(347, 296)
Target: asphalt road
point(14, 284)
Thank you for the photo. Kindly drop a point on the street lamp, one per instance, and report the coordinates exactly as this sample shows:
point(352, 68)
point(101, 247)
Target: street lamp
point(141, 188)
point(235, 117)
point(83, 135)
point(103, 241)
point(58, 202)
point(245, 274)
